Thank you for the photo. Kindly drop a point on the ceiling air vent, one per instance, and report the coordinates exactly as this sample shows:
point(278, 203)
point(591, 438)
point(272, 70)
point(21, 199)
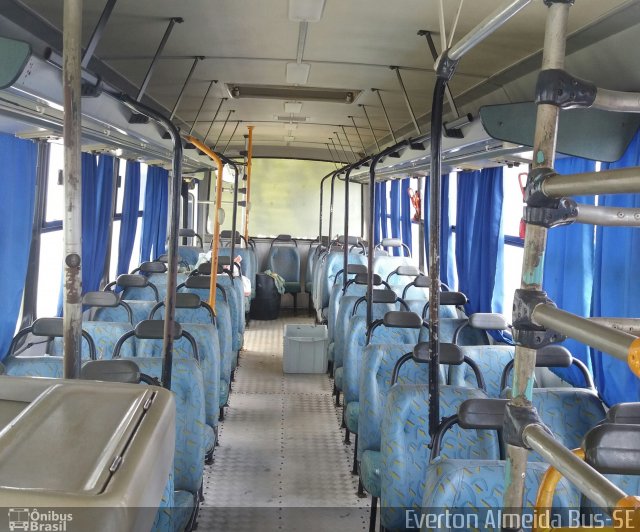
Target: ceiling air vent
point(285, 92)
point(292, 118)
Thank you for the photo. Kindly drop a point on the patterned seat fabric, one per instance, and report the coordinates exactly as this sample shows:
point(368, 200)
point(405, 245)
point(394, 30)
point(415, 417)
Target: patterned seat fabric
point(206, 337)
point(491, 360)
point(189, 254)
point(475, 489)
point(40, 366)
point(334, 303)
point(285, 261)
point(235, 299)
point(355, 345)
point(405, 445)
point(140, 310)
point(569, 412)
point(383, 265)
point(164, 516)
point(105, 336)
point(378, 361)
point(327, 271)
point(351, 414)
point(188, 387)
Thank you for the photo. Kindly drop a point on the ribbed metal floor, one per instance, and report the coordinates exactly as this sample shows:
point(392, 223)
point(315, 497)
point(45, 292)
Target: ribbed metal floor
point(281, 463)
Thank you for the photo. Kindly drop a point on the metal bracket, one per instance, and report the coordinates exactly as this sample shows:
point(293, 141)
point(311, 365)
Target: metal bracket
point(446, 67)
point(533, 194)
point(525, 332)
point(558, 87)
point(549, 3)
point(564, 212)
point(90, 90)
point(516, 420)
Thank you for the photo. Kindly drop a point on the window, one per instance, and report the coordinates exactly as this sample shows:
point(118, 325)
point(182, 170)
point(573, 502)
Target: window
point(513, 179)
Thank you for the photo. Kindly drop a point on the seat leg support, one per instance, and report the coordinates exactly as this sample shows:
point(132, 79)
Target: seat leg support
point(372, 515)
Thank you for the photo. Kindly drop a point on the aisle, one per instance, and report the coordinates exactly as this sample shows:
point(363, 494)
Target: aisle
point(281, 463)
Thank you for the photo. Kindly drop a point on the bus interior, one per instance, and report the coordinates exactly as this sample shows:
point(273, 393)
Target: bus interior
point(316, 265)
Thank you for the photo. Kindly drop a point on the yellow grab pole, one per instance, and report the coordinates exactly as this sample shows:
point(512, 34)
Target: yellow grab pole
point(248, 194)
point(216, 222)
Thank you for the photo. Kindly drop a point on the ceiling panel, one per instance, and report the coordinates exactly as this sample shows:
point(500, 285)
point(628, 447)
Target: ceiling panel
point(351, 47)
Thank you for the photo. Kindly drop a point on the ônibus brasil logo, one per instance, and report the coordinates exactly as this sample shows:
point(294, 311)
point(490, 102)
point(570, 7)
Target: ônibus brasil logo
point(34, 520)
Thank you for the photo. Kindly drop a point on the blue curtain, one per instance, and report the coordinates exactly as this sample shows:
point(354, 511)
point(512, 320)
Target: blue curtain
point(405, 209)
point(17, 200)
point(480, 241)
point(394, 197)
point(97, 191)
point(568, 269)
point(447, 259)
point(128, 225)
point(616, 286)
point(154, 217)
point(380, 213)
point(447, 264)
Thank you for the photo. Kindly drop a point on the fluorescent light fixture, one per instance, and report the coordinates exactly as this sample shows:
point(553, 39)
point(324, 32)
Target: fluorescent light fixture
point(298, 73)
point(292, 107)
point(289, 138)
point(306, 10)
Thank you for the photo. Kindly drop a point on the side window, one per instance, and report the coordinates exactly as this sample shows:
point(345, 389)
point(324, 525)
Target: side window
point(51, 243)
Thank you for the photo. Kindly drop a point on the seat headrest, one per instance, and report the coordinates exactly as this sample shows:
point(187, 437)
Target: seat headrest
point(422, 281)
point(116, 370)
point(391, 243)
point(153, 267)
point(356, 269)
point(449, 354)
point(187, 300)
point(187, 233)
point(406, 270)
point(129, 280)
point(488, 321)
point(48, 327)
point(613, 448)
point(482, 414)
point(402, 319)
point(553, 356)
point(205, 268)
point(453, 298)
point(283, 238)
point(351, 240)
point(202, 282)
point(384, 296)
point(154, 330)
point(362, 278)
point(625, 413)
point(163, 258)
point(101, 299)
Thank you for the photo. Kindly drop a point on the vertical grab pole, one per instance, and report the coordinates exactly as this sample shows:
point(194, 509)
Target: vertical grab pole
point(333, 186)
point(535, 244)
point(216, 221)
point(434, 252)
point(72, 295)
point(248, 194)
point(321, 203)
point(370, 222)
point(174, 226)
point(345, 251)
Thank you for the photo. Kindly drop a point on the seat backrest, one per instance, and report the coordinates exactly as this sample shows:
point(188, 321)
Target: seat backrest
point(139, 309)
point(248, 265)
point(333, 263)
point(225, 338)
point(40, 366)
point(475, 489)
point(312, 257)
point(337, 294)
point(385, 264)
point(206, 337)
point(405, 445)
point(105, 335)
point(569, 412)
point(285, 261)
point(355, 345)
point(189, 254)
point(188, 387)
point(490, 359)
point(378, 361)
